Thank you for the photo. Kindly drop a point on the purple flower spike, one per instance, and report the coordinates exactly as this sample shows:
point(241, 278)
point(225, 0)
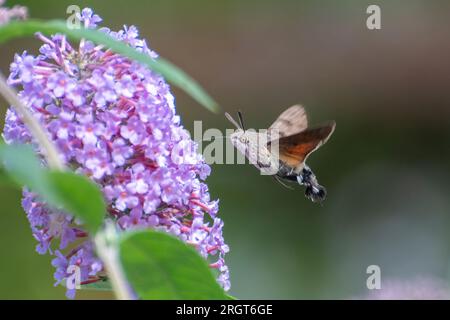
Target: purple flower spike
point(113, 120)
point(8, 14)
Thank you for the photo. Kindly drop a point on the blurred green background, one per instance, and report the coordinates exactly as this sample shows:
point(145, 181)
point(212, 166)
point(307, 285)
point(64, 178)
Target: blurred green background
point(386, 167)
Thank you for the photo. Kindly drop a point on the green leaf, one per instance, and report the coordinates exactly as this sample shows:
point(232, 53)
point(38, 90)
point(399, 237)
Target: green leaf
point(23, 168)
point(169, 71)
point(79, 196)
point(102, 285)
point(73, 193)
point(5, 180)
point(159, 266)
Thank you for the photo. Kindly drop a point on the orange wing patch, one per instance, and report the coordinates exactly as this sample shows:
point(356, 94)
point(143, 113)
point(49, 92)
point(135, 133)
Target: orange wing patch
point(295, 155)
point(293, 150)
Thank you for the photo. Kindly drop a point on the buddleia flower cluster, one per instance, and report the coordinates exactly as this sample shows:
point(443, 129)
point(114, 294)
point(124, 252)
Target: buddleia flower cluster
point(9, 14)
point(113, 120)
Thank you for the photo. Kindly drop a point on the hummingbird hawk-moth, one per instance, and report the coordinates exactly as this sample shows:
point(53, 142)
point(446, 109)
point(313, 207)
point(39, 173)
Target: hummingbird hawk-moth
point(282, 150)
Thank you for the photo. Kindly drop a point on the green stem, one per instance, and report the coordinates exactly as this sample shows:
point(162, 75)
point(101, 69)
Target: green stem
point(106, 243)
point(49, 150)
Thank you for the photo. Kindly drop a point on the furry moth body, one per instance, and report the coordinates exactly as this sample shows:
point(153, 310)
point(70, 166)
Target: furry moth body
point(282, 150)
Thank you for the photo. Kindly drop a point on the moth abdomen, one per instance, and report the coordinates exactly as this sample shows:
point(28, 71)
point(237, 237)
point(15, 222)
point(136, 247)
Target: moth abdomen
point(316, 193)
point(313, 190)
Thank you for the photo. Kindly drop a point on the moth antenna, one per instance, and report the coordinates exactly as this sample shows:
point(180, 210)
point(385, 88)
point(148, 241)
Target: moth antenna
point(230, 118)
point(241, 120)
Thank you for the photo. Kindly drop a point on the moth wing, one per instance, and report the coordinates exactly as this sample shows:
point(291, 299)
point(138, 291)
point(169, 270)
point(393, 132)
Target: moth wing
point(294, 149)
point(293, 120)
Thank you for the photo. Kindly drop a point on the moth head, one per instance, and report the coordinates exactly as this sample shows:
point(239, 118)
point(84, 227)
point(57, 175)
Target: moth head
point(239, 138)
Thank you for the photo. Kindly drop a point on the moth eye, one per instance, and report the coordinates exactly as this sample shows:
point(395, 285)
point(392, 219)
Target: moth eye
point(244, 140)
